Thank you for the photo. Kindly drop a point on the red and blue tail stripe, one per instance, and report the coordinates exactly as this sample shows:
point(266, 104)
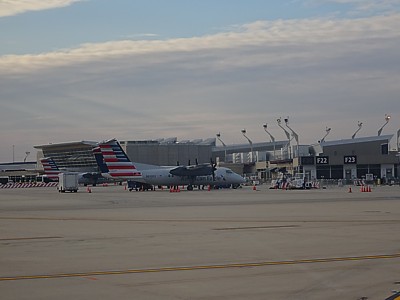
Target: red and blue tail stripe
point(100, 160)
point(117, 162)
point(50, 168)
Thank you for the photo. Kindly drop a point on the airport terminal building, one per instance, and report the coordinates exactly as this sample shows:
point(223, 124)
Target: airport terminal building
point(351, 159)
point(356, 158)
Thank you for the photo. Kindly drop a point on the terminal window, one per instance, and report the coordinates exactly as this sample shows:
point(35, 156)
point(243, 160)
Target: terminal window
point(385, 149)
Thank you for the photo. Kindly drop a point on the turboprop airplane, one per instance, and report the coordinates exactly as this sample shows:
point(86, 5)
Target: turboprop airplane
point(117, 165)
point(51, 171)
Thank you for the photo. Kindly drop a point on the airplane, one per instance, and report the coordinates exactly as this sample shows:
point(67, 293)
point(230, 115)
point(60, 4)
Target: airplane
point(395, 296)
point(51, 172)
point(116, 164)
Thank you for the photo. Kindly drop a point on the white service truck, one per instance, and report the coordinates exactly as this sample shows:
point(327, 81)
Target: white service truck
point(68, 182)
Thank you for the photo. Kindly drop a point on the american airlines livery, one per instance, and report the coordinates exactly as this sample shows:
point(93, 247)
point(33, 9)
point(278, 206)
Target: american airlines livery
point(116, 164)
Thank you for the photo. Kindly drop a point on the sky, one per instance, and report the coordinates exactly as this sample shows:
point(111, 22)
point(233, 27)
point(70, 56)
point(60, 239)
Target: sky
point(73, 70)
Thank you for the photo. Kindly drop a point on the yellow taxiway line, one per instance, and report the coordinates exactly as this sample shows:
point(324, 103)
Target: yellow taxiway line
point(394, 297)
point(204, 267)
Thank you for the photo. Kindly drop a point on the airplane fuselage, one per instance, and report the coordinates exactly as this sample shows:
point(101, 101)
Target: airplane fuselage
point(163, 177)
point(223, 176)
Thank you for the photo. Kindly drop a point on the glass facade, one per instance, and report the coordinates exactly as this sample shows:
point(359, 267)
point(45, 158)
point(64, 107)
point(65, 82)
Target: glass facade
point(330, 172)
point(323, 172)
point(362, 170)
point(72, 157)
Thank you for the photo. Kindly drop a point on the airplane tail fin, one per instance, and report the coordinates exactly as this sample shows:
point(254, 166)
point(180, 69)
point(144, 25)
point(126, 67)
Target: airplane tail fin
point(116, 161)
point(50, 167)
point(100, 160)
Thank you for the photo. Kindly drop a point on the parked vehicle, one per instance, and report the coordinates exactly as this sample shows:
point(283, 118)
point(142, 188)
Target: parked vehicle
point(68, 182)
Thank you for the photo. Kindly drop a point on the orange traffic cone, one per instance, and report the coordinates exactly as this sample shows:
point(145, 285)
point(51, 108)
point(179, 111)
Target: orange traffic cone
point(369, 189)
point(254, 188)
point(350, 190)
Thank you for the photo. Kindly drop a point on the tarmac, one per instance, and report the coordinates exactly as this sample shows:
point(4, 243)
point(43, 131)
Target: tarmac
point(218, 244)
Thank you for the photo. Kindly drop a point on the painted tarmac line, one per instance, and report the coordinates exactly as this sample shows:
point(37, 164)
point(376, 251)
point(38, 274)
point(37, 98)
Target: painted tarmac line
point(31, 238)
point(205, 267)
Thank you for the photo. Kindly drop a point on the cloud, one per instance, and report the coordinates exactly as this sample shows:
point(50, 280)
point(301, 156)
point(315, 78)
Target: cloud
point(320, 72)
point(266, 34)
point(374, 6)
point(15, 7)
point(141, 35)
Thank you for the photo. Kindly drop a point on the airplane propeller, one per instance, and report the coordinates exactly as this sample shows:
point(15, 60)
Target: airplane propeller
point(195, 170)
point(196, 162)
point(213, 168)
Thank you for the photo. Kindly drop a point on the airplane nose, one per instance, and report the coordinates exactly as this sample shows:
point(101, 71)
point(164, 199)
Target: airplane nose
point(241, 179)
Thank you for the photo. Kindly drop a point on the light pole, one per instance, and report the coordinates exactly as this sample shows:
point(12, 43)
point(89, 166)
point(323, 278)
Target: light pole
point(223, 144)
point(279, 120)
point(387, 119)
point(294, 134)
point(13, 150)
point(250, 142)
point(328, 129)
point(26, 156)
point(270, 135)
point(359, 128)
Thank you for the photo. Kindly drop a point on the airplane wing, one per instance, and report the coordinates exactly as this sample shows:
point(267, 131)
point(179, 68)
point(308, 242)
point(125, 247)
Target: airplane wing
point(192, 171)
point(90, 175)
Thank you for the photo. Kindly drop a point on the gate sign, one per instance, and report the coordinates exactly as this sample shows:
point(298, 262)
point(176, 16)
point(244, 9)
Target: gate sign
point(322, 160)
point(350, 159)
point(307, 160)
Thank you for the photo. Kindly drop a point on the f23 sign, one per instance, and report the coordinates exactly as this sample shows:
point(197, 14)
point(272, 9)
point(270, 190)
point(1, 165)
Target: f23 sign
point(350, 159)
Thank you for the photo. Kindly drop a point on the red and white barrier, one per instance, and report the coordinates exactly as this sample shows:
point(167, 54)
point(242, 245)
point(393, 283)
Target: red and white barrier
point(285, 185)
point(315, 185)
point(359, 182)
point(27, 185)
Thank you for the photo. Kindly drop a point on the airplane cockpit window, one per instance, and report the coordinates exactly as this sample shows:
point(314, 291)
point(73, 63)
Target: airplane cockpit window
point(229, 172)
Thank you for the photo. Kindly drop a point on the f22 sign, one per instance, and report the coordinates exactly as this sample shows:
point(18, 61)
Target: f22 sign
point(350, 159)
point(322, 160)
